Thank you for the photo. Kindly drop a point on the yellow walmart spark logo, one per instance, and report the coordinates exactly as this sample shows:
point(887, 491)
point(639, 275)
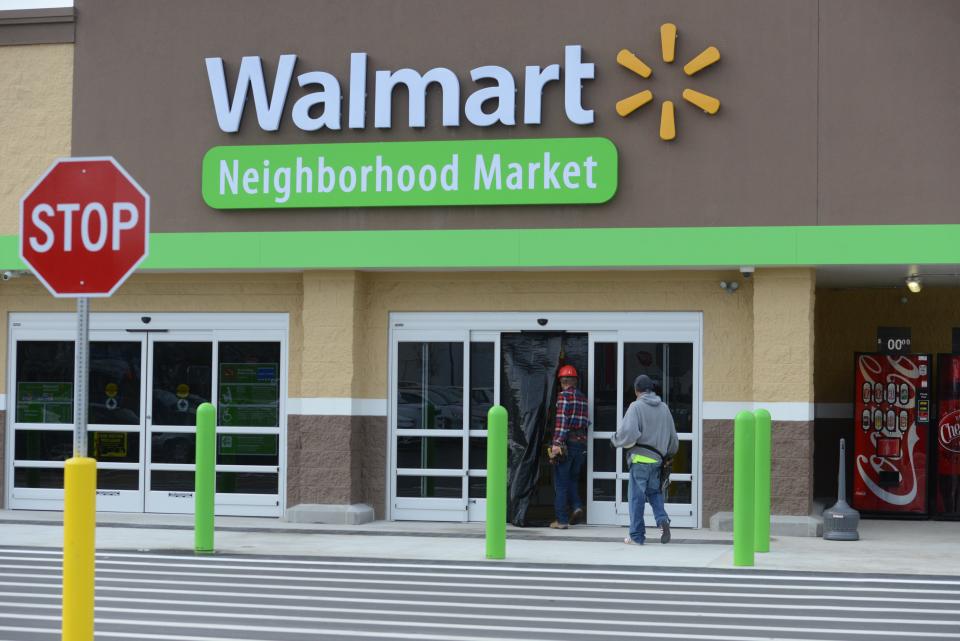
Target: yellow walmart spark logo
point(668, 42)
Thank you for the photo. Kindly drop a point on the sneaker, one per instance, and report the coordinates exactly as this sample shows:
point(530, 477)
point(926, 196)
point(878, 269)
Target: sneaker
point(665, 529)
point(630, 541)
point(577, 516)
point(556, 525)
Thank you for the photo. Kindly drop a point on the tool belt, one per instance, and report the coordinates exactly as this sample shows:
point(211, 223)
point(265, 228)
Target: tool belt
point(666, 467)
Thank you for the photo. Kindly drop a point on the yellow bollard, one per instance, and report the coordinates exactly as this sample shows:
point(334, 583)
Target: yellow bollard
point(79, 525)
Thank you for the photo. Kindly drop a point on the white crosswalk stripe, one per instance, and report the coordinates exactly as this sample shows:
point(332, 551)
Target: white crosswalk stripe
point(217, 598)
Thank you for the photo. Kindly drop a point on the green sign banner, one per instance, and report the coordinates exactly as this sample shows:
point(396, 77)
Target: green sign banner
point(534, 171)
point(247, 444)
point(44, 402)
point(249, 394)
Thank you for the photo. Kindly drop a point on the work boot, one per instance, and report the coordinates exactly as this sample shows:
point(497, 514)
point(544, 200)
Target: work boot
point(556, 525)
point(576, 516)
point(665, 532)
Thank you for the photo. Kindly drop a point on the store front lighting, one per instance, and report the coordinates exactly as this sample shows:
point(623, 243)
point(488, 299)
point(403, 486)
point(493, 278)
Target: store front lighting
point(914, 284)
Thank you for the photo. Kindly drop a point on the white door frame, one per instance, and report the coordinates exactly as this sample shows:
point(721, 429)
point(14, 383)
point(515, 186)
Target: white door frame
point(132, 327)
point(432, 509)
point(655, 327)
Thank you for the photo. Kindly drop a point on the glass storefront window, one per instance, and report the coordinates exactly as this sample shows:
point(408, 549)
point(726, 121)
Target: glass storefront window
point(682, 460)
point(248, 449)
point(42, 445)
point(670, 365)
point(477, 487)
point(604, 490)
point(113, 395)
point(429, 452)
point(679, 492)
point(440, 487)
point(430, 385)
point(680, 384)
point(182, 380)
point(173, 447)
point(171, 481)
point(481, 383)
point(478, 453)
point(115, 447)
point(46, 445)
point(605, 387)
point(248, 384)
point(247, 483)
point(641, 358)
point(38, 477)
point(604, 456)
point(44, 392)
point(118, 479)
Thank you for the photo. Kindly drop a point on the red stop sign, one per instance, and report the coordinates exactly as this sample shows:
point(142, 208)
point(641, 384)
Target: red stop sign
point(84, 227)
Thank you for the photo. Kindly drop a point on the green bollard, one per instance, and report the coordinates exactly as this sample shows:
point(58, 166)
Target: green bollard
point(205, 479)
point(761, 533)
point(744, 478)
point(497, 482)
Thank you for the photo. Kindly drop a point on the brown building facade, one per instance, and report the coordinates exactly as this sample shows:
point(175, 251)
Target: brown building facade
point(371, 221)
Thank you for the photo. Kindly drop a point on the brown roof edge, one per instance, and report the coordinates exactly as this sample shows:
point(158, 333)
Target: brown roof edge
point(37, 26)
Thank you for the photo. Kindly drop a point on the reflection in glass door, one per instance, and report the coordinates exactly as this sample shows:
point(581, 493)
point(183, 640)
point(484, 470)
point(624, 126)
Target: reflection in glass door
point(181, 378)
point(115, 418)
point(430, 444)
point(144, 390)
point(247, 376)
point(43, 420)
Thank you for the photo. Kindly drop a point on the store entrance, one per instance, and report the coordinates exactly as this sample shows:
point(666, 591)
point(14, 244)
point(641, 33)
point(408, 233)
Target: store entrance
point(144, 389)
point(447, 370)
point(529, 363)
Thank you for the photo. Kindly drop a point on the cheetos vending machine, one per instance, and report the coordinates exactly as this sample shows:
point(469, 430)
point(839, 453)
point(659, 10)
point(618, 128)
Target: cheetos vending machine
point(946, 481)
point(892, 433)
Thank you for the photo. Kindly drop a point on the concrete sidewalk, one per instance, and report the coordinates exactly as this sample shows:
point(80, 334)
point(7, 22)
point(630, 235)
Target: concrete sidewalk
point(909, 547)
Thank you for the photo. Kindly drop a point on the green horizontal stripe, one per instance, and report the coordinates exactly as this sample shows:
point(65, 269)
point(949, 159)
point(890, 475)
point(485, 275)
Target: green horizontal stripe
point(525, 248)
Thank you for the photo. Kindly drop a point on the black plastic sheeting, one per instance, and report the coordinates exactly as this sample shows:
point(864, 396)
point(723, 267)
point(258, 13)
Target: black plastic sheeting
point(528, 390)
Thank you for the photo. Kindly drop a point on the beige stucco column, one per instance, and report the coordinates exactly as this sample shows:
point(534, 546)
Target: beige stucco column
point(332, 449)
point(783, 341)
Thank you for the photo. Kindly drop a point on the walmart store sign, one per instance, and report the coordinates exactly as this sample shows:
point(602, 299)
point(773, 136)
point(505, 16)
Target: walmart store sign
point(472, 172)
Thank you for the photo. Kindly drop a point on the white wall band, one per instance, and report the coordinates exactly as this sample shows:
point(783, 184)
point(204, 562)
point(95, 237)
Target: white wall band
point(712, 410)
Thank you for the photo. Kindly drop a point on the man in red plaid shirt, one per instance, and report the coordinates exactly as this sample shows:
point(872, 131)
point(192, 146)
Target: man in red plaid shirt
point(570, 433)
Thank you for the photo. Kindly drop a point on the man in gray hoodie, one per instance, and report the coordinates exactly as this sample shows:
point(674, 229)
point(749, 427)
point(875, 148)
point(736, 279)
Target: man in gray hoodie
point(649, 435)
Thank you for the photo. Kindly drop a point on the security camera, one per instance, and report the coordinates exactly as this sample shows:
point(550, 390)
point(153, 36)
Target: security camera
point(747, 271)
point(145, 319)
point(729, 286)
point(8, 275)
point(542, 322)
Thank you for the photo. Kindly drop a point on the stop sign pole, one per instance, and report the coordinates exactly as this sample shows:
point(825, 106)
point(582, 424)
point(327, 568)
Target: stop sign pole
point(84, 228)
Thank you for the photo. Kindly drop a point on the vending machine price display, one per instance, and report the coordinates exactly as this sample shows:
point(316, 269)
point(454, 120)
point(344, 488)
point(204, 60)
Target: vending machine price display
point(893, 340)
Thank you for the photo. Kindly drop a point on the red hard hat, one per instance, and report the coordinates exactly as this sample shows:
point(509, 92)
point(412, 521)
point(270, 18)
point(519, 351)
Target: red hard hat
point(567, 370)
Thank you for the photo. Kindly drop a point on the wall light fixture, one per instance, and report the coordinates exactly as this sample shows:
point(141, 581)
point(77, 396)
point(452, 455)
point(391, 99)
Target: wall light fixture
point(913, 283)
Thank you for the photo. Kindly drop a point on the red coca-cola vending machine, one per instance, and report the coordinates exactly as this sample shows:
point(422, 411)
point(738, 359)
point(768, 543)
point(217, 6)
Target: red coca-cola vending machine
point(946, 485)
point(892, 434)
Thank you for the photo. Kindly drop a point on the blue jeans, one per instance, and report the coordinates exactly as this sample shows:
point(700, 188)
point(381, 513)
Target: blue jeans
point(566, 477)
point(645, 486)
